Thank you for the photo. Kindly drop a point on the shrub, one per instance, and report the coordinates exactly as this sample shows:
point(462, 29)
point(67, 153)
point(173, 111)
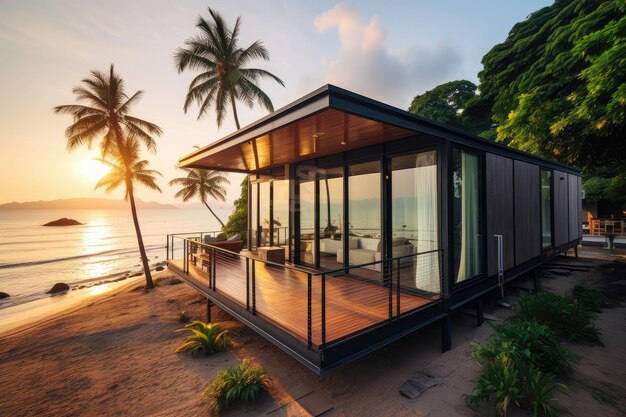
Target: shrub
point(510, 378)
point(205, 337)
point(531, 341)
point(562, 314)
point(588, 298)
point(240, 384)
point(183, 317)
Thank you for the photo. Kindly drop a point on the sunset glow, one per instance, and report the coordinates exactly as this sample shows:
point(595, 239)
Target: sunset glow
point(92, 170)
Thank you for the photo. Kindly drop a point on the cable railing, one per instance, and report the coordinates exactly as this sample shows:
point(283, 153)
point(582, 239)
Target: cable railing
point(319, 307)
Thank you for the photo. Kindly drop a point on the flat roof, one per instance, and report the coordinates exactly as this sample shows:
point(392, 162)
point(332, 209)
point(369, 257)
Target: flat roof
point(327, 121)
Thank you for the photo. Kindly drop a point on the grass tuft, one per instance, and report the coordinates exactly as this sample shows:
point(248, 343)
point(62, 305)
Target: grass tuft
point(588, 298)
point(183, 317)
point(233, 385)
point(205, 337)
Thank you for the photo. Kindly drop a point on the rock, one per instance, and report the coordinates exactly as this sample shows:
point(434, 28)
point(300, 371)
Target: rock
point(59, 287)
point(63, 222)
point(160, 268)
point(136, 274)
point(417, 384)
point(175, 281)
point(3, 295)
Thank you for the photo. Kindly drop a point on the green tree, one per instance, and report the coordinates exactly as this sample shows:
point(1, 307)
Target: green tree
point(444, 103)
point(557, 85)
point(238, 221)
point(127, 169)
point(202, 183)
point(105, 115)
point(223, 77)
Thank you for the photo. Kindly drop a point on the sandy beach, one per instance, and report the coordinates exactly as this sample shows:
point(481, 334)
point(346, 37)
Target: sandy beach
point(114, 355)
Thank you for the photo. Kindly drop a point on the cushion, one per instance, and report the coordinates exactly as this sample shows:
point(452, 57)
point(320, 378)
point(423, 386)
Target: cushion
point(234, 237)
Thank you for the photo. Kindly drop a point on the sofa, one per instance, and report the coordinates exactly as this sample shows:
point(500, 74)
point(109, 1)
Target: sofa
point(331, 246)
point(369, 250)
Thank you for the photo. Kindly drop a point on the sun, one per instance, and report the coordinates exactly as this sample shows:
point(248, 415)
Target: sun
point(92, 170)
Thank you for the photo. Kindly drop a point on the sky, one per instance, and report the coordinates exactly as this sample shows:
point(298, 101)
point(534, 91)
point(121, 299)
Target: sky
point(389, 51)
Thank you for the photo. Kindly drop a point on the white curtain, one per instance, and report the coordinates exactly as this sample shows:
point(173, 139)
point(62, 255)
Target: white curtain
point(469, 265)
point(426, 221)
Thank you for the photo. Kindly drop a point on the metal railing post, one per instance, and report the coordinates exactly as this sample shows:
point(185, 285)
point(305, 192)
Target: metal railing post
point(398, 287)
point(247, 284)
point(323, 311)
point(214, 269)
point(309, 321)
point(167, 248)
point(387, 268)
point(253, 288)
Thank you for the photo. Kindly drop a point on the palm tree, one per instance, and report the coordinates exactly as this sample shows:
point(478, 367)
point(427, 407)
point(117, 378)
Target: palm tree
point(223, 78)
point(105, 115)
point(127, 169)
point(202, 183)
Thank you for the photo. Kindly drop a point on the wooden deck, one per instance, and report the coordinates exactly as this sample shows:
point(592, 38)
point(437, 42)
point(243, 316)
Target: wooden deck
point(352, 305)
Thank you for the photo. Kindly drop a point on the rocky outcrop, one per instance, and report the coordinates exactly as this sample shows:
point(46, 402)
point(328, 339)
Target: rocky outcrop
point(59, 287)
point(64, 222)
point(3, 295)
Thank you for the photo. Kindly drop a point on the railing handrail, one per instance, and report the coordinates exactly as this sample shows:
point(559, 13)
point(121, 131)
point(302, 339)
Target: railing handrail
point(297, 268)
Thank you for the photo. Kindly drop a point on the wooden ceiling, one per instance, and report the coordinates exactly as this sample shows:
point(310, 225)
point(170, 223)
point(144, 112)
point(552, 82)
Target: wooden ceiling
point(325, 133)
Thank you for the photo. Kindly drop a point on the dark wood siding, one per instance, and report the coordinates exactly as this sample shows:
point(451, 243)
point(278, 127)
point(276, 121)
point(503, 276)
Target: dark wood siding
point(561, 211)
point(500, 220)
point(575, 202)
point(527, 212)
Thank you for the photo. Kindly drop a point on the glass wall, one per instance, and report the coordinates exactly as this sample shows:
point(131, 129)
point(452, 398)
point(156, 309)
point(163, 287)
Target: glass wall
point(414, 212)
point(264, 213)
point(254, 216)
point(331, 214)
point(364, 212)
point(281, 212)
point(546, 208)
point(307, 217)
point(467, 227)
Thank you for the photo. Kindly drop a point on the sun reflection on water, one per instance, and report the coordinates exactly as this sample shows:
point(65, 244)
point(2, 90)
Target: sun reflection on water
point(96, 238)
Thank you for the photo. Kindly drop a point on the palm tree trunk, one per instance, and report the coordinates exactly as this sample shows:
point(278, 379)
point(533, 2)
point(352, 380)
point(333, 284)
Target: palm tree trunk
point(142, 249)
point(214, 215)
point(327, 206)
point(232, 101)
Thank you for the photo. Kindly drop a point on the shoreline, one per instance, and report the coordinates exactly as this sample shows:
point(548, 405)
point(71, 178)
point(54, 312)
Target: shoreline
point(24, 316)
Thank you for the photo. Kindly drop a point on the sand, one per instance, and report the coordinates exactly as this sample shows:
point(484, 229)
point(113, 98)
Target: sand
point(115, 356)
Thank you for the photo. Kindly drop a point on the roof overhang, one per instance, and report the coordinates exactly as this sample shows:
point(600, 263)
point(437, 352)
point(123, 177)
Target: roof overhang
point(328, 121)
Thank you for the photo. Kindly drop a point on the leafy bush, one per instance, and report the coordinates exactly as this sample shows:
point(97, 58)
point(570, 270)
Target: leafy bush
point(183, 317)
point(528, 341)
point(205, 337)
point(240, 384)
point(510, 378)
point(562, 314)
point(588, 298)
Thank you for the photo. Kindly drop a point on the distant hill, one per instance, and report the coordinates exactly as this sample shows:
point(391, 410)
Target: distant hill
point(82, 204)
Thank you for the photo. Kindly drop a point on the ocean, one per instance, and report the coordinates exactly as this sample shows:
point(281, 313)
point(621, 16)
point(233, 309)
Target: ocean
point(34, 257)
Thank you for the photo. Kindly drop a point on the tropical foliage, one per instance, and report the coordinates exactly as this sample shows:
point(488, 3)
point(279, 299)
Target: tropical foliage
point(589, 298)
point(104, 116)
point(240, 384)
point(202, 183)
point(446, 102)
point(238, 221)
point(562, 314)
point(224, 77)
point(127, 169)
point(557, 85)
point(205, 337)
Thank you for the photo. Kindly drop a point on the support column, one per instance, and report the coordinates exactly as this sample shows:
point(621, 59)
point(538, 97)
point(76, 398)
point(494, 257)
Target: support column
point(480, 318)
point(208, 310)
point(446, 337)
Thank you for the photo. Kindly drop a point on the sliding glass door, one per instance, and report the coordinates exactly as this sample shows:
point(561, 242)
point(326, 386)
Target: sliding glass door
point(466, 203)
point(415, 219)
point(331, 216)
point(364, 226)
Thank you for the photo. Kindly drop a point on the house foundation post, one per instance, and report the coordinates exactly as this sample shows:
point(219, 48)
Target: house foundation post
point(480, 318)
point(208, 310)
point(536, 283)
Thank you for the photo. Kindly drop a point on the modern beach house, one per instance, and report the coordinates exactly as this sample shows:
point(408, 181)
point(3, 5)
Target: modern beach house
point(367, 223)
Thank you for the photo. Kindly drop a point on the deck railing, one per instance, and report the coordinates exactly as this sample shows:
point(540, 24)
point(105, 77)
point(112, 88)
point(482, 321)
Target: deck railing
point(324, 306)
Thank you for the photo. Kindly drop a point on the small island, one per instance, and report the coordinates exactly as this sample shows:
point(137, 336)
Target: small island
point(63, 222)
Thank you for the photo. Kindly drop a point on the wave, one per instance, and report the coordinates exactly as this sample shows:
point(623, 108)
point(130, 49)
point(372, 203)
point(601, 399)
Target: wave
point(88, 255)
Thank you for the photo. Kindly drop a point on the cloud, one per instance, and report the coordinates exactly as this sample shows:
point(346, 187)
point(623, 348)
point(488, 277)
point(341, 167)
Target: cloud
point(366, 64)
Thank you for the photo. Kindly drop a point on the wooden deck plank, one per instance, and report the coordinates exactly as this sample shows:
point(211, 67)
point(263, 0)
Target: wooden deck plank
point(281, 297)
